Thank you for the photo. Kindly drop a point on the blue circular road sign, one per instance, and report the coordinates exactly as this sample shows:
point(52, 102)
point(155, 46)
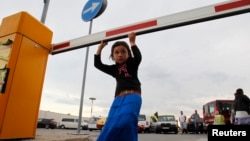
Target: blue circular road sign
point(93, 8)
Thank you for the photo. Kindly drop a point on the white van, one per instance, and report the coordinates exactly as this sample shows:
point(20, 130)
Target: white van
point(69, 123)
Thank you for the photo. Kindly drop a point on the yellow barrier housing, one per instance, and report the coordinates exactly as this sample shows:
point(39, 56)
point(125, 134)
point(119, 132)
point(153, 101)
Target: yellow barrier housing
point(25, 44)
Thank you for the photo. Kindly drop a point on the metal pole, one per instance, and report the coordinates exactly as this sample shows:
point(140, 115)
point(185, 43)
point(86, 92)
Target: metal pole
point(83, 83)
point(92, 99)
point(45, 10)
point(91, 108)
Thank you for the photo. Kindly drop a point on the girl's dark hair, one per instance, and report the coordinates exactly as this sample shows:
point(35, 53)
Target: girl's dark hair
point(120, 43)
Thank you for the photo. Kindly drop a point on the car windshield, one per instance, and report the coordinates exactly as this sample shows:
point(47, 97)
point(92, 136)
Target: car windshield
point(225, 107)
point(142, 117)
point(93, 120)
point(166, 118)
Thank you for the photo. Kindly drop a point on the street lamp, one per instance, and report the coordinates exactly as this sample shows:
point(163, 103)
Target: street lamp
point(92, 99)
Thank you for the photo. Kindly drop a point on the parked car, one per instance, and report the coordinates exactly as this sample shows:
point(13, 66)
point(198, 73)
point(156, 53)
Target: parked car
point(46, 123)
point(100, 123)
point(72, 123)
point(191, 125)
point(143, 123)
point(92, 125)
point(165, 124)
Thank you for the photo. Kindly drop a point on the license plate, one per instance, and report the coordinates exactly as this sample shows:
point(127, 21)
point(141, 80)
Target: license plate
point(165, 127)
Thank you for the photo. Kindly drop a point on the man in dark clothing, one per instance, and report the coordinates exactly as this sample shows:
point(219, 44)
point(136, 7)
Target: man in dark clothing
point(241, 101)
point(196, 118)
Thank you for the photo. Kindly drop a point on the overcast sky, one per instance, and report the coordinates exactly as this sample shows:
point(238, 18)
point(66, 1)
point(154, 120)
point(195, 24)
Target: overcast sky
point(181, 69)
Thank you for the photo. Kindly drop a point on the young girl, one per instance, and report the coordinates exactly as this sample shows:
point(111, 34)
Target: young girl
point(122, 120)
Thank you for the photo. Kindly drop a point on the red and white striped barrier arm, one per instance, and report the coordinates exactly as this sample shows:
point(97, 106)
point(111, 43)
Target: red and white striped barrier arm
point(202, 14)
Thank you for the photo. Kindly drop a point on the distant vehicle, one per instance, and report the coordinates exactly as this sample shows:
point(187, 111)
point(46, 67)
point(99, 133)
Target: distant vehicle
point(165, 124)
point(92, 125)
point(100, 123)
point(191, 126)
point(223, 107)
point(85, 125)
point(46, 123)
point(143, 123)
point(72, 123)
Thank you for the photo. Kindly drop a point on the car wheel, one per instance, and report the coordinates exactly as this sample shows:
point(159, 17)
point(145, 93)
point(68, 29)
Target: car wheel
point(62, 126)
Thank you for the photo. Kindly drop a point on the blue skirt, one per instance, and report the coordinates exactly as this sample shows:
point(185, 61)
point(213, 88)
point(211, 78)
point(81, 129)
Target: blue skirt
point(122, 120)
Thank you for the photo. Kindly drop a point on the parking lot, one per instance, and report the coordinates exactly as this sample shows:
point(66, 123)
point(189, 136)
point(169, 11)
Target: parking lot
point(85, 135)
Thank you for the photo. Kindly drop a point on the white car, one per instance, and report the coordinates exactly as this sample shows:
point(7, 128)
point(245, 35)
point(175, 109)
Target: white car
point(143, 123)
point(92, 123)
point(164, 123)
point(71, 123)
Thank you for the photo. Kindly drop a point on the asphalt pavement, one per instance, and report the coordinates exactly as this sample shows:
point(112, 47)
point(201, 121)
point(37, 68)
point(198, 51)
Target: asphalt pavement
point(61, 135)
point(85, 135)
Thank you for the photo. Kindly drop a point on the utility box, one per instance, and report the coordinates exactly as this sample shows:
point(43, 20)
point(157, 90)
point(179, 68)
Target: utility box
point(25, 45)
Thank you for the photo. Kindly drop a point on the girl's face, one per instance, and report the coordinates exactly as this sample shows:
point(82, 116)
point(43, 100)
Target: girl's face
point(120, 54)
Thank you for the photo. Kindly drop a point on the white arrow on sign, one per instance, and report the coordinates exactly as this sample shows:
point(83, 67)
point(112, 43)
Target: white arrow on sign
point(92, 8)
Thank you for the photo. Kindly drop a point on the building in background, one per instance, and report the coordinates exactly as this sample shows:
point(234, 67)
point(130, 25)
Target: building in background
point(57, 116)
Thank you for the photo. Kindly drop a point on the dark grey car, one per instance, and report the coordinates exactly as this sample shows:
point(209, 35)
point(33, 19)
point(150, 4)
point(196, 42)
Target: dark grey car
point(191, 126)
point(46, 123)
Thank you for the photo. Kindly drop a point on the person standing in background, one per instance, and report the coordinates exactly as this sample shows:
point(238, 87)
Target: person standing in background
point(183, 124)
point(196, 118)
point(241, 106)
